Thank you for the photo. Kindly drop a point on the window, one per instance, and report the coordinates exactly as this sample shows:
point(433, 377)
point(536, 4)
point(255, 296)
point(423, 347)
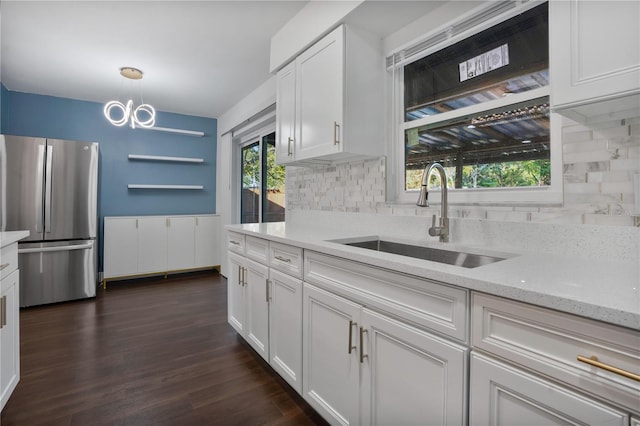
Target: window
point(262, 182)
point(479, 105)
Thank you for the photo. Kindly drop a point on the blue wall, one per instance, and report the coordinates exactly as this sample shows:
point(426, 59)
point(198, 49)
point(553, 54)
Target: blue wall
point(46, 116)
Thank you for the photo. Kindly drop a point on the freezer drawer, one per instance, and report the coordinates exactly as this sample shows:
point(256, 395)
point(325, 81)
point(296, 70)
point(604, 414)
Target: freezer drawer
point(56, 272)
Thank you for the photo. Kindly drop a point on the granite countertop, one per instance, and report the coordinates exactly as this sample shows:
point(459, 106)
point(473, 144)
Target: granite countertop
point(601, 289)
point(7, 238)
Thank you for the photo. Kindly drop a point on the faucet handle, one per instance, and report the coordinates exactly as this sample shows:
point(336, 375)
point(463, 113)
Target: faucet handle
point(434, 231)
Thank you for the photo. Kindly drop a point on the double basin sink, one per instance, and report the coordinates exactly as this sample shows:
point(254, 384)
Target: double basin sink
point(451, 257)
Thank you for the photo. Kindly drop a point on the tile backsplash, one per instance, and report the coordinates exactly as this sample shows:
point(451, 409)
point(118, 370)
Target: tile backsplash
point(599, 167)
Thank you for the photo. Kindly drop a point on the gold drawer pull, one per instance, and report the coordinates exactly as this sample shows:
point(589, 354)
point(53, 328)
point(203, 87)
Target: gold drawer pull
point(593, 360)
point(283, 259)
point(4, 265)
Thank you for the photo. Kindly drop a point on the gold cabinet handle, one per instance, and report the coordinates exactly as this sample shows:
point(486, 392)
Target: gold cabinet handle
point(289, 152)
point(362, 355)
point(336, 133)
point(283, 259)
point(267, 287)
point(4, 265)
point(593, 360)
point(244, 276)
point(351, 324)
point(239, 275)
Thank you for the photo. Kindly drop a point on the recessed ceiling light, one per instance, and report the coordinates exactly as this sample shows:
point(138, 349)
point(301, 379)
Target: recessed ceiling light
point(526, 141)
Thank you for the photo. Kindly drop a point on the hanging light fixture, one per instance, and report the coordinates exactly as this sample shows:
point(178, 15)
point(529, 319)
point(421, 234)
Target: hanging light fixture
point(144, 115)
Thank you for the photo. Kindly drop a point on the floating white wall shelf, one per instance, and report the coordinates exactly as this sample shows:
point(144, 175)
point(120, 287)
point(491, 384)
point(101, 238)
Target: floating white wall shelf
point(180, 131)
point(145, 186)
point(163, 158)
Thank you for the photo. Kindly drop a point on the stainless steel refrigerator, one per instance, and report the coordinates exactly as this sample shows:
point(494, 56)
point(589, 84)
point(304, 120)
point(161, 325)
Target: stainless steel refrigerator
point(50, 188)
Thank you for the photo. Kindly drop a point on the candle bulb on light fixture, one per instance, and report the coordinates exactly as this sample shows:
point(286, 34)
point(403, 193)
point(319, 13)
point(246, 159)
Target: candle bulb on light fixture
point(129, 113)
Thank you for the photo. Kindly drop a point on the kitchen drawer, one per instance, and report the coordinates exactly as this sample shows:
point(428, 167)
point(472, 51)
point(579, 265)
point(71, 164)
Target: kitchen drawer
point(235, 242)
point(550, 342)
point(257, 249)
point(286, 258)
point(426, 304)
point(8, 259)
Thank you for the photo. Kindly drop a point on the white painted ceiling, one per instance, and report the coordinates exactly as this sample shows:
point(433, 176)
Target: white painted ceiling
point(198, 57)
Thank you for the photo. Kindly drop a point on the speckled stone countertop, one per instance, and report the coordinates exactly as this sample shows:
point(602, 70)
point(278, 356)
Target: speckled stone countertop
point(7, 238)
point(606, 289)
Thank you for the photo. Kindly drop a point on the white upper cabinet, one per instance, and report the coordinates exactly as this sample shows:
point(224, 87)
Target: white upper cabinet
point(595, 59)
point(330, 100)
point(286, 113)
point(320, 84)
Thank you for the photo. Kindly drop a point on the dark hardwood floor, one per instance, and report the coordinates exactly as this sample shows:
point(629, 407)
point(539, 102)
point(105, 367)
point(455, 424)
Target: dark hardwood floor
point(146, 352)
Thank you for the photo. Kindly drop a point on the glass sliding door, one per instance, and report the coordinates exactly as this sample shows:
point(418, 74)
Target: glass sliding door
point(273, 204)
point(251, 183)
point(262, 196)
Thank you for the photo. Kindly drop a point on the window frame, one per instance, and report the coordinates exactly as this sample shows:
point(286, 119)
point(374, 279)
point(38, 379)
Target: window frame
point(548, 195)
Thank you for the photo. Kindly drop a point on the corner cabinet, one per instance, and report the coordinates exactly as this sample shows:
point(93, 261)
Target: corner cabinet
point(330, 99)
point(595, 59)
point(142, 245)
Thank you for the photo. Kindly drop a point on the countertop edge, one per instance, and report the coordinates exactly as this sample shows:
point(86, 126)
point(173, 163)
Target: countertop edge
point(11, 237)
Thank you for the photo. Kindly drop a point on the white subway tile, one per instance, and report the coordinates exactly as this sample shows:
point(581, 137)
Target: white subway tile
point(617, 187)
point(632, 164)
point(576, 136)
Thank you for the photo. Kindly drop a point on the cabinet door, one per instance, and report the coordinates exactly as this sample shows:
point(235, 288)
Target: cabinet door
point(285, 327)
point(330, 355)
point(235, 293)
point(285, 113)
point(319, 97)
point(257, 307)
point(9, 338)
point(410, 377)
point(181, 234)
point(120, 246)
point(152, 244)
point(207, 241)
point(595, 50)
point(504, 395)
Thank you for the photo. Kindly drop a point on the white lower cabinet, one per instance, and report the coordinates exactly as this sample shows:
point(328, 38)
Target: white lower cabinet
point(556, 368)
point(152, 244)
point(248, 311)
point(285, 327)
point(363, 367)
point(142, 245)
point(9, 335)
point(409, 376)
point(257, 307)
point(235, 293)
point(501, 394)
point(331, 369)
point(181, 242)
point(265, 307)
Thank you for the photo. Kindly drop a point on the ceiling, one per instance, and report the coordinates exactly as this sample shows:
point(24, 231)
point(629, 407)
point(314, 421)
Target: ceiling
point(198, 58)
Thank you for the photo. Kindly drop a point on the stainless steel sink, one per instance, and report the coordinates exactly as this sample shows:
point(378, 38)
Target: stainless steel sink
point(458, 258)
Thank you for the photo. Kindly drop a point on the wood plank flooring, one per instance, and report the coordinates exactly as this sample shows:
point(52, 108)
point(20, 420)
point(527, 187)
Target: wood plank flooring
point(147, 352)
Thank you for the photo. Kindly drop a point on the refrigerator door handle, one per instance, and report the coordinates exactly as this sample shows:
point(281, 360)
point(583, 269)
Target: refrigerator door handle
point(48, 190)
point(39, 195)
point(57, 248)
